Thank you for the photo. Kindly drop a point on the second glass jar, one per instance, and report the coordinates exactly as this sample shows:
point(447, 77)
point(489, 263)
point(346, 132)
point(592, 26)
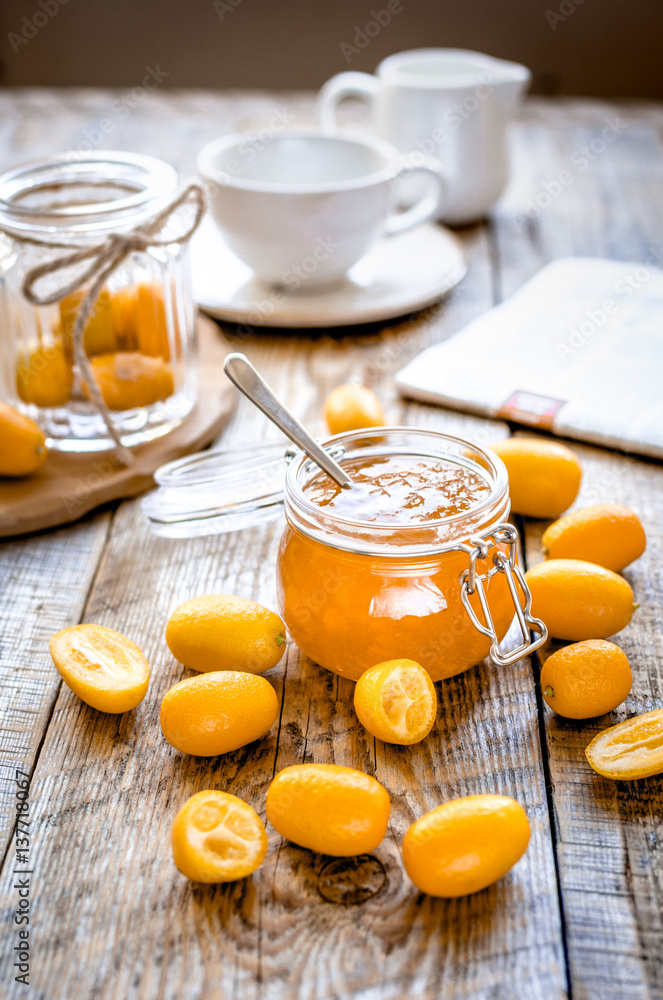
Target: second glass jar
point(140, 337)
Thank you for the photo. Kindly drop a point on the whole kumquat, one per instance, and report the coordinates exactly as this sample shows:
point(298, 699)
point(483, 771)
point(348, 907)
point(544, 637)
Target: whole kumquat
point(586, 679)
point(225, 632)
point(351, 407)
point(99, 335)
point(330, 809)
point(218, 712)
point(607, 534)
point(465, 845)
point(45, 378)
point(127, 379)
point(544, 476)
point(151, 323)
point(22, 443)
point(579, 600)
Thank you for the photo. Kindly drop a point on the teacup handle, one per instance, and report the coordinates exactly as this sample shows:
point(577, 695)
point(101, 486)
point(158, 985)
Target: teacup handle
point(361, 85)
point(427, 207)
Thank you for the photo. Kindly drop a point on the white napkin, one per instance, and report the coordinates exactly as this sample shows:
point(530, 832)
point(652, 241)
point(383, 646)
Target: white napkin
point(577, 350)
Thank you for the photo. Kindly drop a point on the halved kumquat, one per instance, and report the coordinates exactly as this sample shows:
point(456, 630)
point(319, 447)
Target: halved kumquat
point(217, 837)
point(105, 669)
point(632, 749)
point(396, 702)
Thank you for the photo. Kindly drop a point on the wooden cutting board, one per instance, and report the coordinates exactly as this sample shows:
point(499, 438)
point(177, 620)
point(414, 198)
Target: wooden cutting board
point(68, 486)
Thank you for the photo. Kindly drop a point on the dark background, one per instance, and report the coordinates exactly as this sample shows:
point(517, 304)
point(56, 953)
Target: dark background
point(609, 48)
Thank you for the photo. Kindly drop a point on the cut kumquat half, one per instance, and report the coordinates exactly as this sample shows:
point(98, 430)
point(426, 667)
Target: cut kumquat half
point(632, 749)
point(105, 669)
point(396, 702)
point(217, 837)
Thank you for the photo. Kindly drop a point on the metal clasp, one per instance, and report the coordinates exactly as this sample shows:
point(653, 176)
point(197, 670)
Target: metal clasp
point(471, 581)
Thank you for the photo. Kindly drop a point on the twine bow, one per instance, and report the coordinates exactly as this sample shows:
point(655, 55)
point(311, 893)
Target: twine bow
point(105, 258)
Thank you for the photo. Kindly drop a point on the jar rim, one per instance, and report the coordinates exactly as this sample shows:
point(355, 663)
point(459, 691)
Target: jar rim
point(148, 181)
point(446, 532)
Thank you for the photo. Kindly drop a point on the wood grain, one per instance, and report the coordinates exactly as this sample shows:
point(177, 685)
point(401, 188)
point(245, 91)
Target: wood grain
point(44, 583)
point(109, 788)
point(112, 786)
point(608, 834)
point(113, 919)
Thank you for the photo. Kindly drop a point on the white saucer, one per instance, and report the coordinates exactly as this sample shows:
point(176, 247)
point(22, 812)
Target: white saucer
point(399, 276)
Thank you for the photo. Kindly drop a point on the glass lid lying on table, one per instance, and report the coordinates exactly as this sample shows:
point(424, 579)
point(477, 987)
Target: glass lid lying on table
point(214, 492)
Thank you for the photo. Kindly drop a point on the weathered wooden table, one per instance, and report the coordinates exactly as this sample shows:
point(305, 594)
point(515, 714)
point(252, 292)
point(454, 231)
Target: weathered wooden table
point(581, 915)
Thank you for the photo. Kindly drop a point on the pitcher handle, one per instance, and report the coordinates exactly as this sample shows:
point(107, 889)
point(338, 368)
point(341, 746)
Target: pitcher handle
point(361, 85)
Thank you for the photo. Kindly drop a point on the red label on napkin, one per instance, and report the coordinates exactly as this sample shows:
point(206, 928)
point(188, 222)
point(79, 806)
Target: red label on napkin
point(524, 407)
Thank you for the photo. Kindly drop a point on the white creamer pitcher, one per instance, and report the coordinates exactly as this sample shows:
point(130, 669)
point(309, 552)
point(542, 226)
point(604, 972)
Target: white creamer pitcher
point(451, 104)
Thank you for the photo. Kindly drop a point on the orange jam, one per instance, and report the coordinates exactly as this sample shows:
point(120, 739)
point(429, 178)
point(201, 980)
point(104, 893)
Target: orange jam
point(400, 489)
point(352, 597)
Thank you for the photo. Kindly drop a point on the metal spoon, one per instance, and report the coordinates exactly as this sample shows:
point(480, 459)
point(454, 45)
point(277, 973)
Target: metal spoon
point(241, 373)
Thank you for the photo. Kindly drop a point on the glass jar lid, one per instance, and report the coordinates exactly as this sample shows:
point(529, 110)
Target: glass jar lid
point(214, 492)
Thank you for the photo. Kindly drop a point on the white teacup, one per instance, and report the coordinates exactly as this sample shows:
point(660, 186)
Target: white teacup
point(451, 104)
point(301, 208)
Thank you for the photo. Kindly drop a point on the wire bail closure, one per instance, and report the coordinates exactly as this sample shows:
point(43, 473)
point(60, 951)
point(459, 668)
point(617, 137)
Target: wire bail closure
point(472, 582)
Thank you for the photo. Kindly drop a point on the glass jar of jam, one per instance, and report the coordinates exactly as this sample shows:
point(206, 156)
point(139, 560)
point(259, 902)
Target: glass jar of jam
point(415, 561)
point(139, 338)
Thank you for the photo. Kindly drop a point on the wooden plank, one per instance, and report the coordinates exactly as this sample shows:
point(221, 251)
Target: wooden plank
point(608, 835)
point(466, 948)
point(116, 919)
point(610, 853)
point(106, 791)
point(44, 582)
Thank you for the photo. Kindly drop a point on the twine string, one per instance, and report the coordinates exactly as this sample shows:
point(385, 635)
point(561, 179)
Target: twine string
point(105, 258)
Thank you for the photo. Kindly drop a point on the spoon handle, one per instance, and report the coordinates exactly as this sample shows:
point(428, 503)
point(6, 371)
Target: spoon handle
point(241, 372)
